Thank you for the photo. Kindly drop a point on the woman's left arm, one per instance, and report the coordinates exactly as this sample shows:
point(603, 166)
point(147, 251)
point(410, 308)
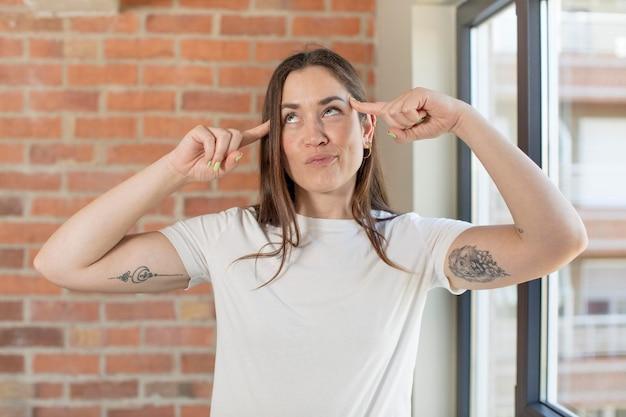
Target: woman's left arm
point(540, 211)
point(547, 232)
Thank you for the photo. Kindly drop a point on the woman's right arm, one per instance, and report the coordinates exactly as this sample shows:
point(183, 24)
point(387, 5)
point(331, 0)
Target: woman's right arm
point(98, 229)
point(91, 251)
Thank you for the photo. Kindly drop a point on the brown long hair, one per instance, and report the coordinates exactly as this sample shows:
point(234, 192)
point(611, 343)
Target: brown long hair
point(277, 190)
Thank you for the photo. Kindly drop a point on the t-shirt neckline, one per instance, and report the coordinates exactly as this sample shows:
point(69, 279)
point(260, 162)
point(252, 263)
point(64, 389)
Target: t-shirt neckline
point(330, 224)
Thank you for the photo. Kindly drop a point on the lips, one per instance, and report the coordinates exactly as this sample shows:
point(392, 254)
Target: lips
point(320, 157)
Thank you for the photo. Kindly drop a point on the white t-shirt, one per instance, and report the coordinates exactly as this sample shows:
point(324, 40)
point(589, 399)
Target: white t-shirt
point(336, 333)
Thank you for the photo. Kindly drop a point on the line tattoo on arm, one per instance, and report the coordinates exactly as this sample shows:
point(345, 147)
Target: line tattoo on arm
point(474, 264)
point(140, 275)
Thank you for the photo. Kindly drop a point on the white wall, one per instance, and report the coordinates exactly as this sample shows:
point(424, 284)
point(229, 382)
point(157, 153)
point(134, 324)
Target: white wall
point(416, 46)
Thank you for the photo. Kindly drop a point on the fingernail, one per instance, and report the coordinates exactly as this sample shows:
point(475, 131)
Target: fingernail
point(238, 157)
point(209, 164)
point(217, 166)
point(390, 133)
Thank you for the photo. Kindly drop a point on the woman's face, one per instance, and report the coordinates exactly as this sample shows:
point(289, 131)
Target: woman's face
point(317, 119)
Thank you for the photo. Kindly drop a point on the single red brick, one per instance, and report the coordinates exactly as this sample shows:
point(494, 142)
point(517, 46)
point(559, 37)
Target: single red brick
point(11, 180)
point(138, 48)
point(140, 310)
point(141, 100)
point(65, 311)
point(11, 47)
point(275, 51)
point(176, 390)
point(45, 48)
point(95, 181)
point(310, 5)
point(66, 364)
point(142, 410)
point(325, 26)
point(11, 364)
point(58, 206)
point(355, 52)
point(106, 127)
point(244, 76)
point(195, 363)
point(137, 4)
point(195, 410)
point(43, 100)
point(139, 363)
point(30, 74)
point(27, 286)
point(58, 152)
point(180, 23)
point(214, 50)
point(9, 206)
point(353, 5)
point(10, 310)
point(82, 74)
point(22, 233)
point(62, 411)
point(30, 127)
point(123, 336)
point(171, 127)
point(11, 154)
point(177, 75)
point(179, 336)
point(216, 4)
point(31, 337)
point(27, 22)
point(11, 101)
point(216, 101)
point(84, 49)
point(142, 154)
point(49, 390)
point(120, 23)
point(104, 390)
point(253, 25)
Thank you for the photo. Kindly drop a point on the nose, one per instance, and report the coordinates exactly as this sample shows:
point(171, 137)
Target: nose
point(314, 133)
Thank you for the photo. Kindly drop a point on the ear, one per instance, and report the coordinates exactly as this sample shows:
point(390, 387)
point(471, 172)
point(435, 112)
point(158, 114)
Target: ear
point(368, 127)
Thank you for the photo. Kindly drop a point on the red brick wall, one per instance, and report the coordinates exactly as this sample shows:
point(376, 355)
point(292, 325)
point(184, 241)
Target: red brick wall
point(86, 102)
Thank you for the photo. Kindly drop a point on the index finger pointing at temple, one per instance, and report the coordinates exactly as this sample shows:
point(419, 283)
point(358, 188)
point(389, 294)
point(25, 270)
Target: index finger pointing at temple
point(374, 108)
point(252, 135)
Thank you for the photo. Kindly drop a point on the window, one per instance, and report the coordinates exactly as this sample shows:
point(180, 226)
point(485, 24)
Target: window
point(494, 313)
point(586, 355)
point(568, 114)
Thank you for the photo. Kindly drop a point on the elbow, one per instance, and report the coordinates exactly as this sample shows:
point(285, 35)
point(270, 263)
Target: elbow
point(582, 241)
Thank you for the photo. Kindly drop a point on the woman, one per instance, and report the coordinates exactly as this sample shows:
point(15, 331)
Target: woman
point(334, 330)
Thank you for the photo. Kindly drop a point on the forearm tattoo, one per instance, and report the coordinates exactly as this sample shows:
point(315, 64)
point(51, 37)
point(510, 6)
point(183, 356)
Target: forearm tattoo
point(474, 264)
point(140, 275)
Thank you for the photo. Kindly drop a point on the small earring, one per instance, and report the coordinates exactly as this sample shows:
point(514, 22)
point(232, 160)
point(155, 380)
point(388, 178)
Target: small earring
point(369, 148)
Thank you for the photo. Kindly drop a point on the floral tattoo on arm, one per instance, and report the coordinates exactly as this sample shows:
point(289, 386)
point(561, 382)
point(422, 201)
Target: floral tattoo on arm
point(474, 264)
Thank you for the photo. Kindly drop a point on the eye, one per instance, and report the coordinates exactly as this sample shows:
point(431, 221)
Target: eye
point(325, 111)
point(332, 108)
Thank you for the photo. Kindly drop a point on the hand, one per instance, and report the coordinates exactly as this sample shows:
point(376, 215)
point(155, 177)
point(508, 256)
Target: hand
point(203, 145)
point(419, 113)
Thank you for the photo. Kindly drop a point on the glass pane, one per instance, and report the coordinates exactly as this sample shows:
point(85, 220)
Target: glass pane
point(494, 321)
point(587, 353)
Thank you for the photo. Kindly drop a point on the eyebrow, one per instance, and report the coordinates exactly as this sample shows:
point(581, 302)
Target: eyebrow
point(321, 102)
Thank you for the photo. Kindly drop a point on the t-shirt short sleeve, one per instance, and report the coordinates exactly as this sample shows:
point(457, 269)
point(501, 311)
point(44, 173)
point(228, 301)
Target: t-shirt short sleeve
point(193, 239)
point(438, 235)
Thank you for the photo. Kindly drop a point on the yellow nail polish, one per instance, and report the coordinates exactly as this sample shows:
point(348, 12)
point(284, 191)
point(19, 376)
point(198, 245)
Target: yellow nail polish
point(217, 166)
point(390, 133)
point(209, 164)
point(238, 157)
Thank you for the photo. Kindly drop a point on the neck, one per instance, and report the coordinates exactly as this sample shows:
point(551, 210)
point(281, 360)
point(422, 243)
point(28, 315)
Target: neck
point(332, 205)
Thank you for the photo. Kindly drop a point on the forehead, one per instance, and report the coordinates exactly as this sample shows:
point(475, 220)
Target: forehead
point(310, 84)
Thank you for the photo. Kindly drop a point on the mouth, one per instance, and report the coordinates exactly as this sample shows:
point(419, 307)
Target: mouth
point(323, 161)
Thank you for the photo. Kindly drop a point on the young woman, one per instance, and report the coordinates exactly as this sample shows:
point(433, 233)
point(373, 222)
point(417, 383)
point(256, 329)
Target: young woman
point(325, 322)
